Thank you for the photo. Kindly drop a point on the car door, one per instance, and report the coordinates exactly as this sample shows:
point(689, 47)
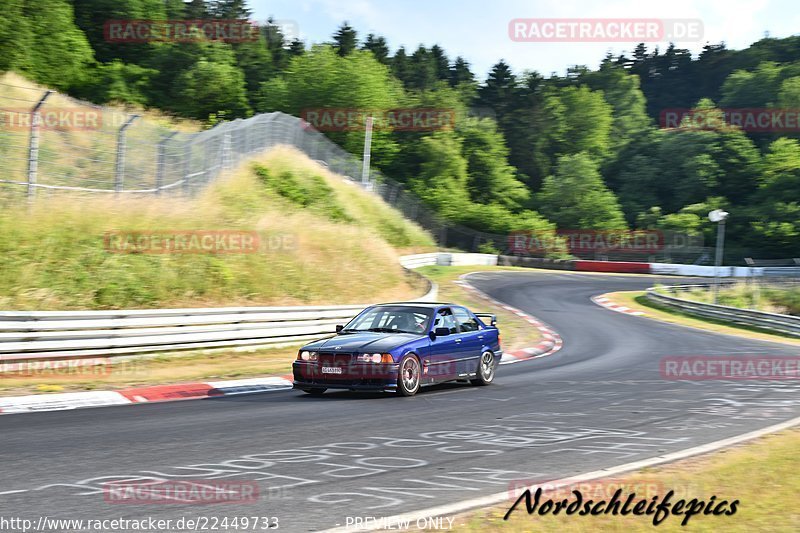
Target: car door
point(442, 361)
point(471, 337)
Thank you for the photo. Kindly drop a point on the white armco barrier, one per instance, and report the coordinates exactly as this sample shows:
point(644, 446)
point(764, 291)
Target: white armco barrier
point(704, 271)
point(447, 259)
point(419, 260)
point(43, 335)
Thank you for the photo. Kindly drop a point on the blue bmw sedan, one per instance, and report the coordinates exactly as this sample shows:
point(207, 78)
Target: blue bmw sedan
point(400, 347)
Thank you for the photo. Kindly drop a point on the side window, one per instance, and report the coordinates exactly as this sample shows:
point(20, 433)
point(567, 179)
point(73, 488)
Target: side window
point(467, 322)
point(445, 319)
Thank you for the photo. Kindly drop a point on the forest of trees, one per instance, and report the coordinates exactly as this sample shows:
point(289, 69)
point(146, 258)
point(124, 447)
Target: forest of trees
point(528, 151)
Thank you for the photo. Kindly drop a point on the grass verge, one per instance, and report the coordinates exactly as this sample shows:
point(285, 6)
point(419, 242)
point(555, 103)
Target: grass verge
point(759, 474)
point(154, 370)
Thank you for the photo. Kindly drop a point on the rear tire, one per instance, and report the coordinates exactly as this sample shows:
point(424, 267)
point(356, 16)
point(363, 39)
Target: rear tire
point(409, 375)
point(315, 392)
point(485, 373)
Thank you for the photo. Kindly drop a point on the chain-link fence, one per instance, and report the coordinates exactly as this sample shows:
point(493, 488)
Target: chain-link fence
point(50, 142)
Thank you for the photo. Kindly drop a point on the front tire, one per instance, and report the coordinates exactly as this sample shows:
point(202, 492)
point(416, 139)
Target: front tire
point(409, 376)
point(485, 373)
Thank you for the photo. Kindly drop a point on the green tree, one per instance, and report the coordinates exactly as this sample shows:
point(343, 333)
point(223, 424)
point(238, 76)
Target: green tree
point(789, 93)
point(422, 70)
point(575, 197)
point(197, 10)
point(460, 73)
point(581, 122)
point(15, 35)
point(441, 65)
point(229, 9)
point(91, 17)
point(212, 88)
point(58, 53)
point(491, 178)
point(118, 82)
point(443, 179)
point(345, 39)
point(622, 91)
point(400, 65)
point(322, 79)
point(377, 45)
point(757, 88)
point(498, 91)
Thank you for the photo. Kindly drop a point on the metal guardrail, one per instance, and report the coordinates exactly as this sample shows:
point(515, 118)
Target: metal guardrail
point(50, 335)
point(25, 336)
point(787, 324)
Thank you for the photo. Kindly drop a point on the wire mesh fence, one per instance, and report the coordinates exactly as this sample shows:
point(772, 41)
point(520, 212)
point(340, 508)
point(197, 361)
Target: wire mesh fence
point(50, 143)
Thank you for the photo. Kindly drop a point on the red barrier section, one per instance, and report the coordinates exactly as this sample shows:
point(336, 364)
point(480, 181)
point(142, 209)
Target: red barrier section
point(612, 266)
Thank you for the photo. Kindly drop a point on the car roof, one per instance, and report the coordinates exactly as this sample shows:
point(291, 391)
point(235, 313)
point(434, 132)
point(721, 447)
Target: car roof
point(432, 305)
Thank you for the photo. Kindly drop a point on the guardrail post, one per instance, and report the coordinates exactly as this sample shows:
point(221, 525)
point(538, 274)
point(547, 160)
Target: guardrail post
point(161, 163)
point(119, 167)
point(33, 145)
point(226, 152)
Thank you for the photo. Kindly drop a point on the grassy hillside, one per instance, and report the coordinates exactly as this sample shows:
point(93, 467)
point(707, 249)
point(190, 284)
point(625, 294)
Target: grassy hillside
point(323, 240)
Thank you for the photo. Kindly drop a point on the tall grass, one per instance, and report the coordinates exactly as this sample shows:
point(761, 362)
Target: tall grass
point(53, 256)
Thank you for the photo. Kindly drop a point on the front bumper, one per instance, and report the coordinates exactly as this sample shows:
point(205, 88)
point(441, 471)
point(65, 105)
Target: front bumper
point(382, 377)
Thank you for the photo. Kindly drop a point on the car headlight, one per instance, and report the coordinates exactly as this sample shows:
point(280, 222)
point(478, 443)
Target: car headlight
point(307, 356)
point(375, 358)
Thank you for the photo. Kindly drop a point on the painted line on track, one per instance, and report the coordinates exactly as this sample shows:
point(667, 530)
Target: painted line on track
point(501, 497)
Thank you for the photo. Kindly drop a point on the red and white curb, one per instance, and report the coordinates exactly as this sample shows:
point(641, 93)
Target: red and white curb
point(551, 341)
point(608, 304)
point(154, 393)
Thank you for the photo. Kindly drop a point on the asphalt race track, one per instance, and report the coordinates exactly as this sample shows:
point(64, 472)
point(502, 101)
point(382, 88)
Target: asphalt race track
point(598, 402)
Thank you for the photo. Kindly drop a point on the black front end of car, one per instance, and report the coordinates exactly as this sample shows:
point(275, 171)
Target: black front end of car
point(332, 370)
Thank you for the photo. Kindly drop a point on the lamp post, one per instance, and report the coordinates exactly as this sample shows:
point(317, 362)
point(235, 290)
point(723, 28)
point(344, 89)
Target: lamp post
point(367, 154)
point(718, 216)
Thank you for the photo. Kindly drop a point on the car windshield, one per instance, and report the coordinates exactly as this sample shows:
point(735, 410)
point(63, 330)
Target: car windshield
point(391, 319)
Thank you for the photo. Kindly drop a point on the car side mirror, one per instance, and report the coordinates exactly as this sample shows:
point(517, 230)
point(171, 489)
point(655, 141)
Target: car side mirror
point(442, 332)
point(339, 328)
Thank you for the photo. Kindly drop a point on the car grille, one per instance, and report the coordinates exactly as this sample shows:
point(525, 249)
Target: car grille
point(335, 359)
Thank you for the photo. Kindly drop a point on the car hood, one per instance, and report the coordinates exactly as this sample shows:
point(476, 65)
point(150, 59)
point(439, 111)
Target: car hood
point(367, 341)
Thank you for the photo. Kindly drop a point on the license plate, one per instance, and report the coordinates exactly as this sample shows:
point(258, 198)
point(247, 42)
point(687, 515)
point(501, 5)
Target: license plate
point(331, 370)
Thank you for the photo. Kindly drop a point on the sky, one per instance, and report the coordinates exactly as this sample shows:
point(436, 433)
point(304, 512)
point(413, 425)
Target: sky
point(478, 29)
